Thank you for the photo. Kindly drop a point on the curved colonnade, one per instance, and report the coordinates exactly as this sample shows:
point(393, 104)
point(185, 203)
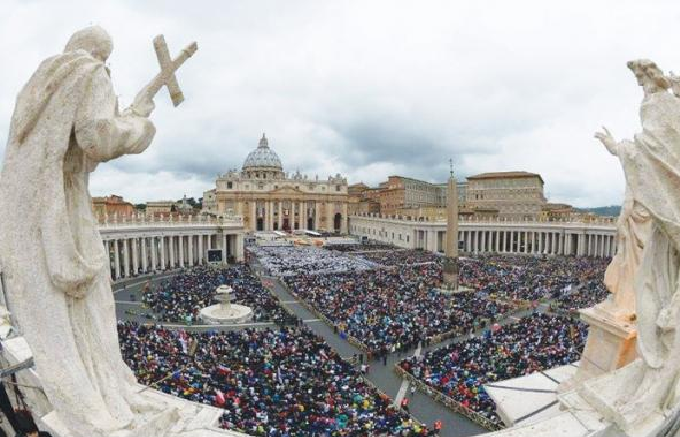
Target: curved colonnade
point(141, 245)
point(592, 238)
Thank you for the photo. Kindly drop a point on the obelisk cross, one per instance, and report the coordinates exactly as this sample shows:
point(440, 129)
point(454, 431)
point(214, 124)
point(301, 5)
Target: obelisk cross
point(169, 67)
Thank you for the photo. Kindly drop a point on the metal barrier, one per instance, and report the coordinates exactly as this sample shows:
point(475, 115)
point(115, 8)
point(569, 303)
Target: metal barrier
point(450, 403)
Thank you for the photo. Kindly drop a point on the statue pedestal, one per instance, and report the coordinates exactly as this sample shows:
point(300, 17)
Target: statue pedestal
point(610, 346)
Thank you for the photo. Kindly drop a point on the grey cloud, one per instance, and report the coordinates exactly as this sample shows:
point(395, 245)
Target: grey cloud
point(367, 88)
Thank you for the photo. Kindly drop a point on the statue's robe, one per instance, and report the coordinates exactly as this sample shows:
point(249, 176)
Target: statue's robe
point(633, 230)
point(55, 267)
point(652, 167)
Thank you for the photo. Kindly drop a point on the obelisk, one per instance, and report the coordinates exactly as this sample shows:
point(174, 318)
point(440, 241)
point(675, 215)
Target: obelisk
point(450, 270)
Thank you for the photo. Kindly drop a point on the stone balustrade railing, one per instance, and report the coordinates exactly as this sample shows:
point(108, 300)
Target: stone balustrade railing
point(188, 220)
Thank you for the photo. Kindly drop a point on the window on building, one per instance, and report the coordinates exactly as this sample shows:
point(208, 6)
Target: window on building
point(230, 185)
point(337, 188)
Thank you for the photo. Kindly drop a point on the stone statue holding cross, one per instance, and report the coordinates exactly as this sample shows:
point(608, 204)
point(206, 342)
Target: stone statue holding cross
point(66, 121)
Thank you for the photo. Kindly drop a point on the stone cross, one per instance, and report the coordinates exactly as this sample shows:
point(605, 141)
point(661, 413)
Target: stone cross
point(169, 66)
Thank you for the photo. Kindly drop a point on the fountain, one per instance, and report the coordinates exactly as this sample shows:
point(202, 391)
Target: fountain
point(225, 312)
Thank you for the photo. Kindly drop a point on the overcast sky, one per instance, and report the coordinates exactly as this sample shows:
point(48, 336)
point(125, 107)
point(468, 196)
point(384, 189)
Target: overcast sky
point(366, 88)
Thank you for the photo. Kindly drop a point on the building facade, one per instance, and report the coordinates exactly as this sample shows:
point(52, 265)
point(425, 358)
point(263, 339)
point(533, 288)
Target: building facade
point(400, 192)
point(362, 199)
point(269, 199)
point(516, 195)
point(113, 205)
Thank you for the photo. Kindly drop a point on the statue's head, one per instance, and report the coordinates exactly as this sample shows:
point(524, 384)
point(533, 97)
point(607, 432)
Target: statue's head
point(648, 75)
point(94, 40)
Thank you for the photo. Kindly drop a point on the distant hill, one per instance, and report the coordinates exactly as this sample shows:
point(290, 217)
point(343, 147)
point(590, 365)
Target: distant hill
point(605, 211)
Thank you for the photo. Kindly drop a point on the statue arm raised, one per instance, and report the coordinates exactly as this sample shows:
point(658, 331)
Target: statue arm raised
point(608, 141)
point(104, 134)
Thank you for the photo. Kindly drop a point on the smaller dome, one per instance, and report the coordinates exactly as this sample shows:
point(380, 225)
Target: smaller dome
point(263, 156)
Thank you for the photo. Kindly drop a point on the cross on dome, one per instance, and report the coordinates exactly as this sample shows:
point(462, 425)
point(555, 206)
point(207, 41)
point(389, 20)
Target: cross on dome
point(264, 142)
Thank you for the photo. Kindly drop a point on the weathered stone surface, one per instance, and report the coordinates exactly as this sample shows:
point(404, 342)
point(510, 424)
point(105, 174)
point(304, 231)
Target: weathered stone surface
point(65, 122)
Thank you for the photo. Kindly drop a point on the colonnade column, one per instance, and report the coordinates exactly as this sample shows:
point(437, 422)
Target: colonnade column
point(154, 257)
point(162, 247)
point(171, 251)
point(126, 258)
point(567, 243)
point(201, 257)
point(116, 258)
point(190, 239)
point(145, 258)
point(135, 256)
point(181, 250)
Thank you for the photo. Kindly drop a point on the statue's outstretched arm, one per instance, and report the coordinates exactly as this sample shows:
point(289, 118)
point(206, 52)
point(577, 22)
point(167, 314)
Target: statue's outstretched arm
point(102, 133)
point(608, 141)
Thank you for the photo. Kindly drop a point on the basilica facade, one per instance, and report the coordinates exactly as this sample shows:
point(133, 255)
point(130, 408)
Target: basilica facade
point(270, 199)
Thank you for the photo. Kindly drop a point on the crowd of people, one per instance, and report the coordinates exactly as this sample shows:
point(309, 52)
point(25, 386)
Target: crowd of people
point(360, 247)
point(285, 381)
point(393, 309)
point(400, 257)
point(590, 293)
point(270, 382)
point(181, 298)
point(534, 343)
point(531, 277)
point(284, 261)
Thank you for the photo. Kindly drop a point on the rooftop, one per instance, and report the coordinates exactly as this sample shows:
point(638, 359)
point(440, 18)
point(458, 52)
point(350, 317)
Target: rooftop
point(506, 175)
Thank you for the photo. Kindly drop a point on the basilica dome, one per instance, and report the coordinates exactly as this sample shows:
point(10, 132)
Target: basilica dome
point(262, 158)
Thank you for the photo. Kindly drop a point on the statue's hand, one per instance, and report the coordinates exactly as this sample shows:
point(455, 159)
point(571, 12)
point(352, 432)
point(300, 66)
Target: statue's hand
point(143, 104)
point(608, 140)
